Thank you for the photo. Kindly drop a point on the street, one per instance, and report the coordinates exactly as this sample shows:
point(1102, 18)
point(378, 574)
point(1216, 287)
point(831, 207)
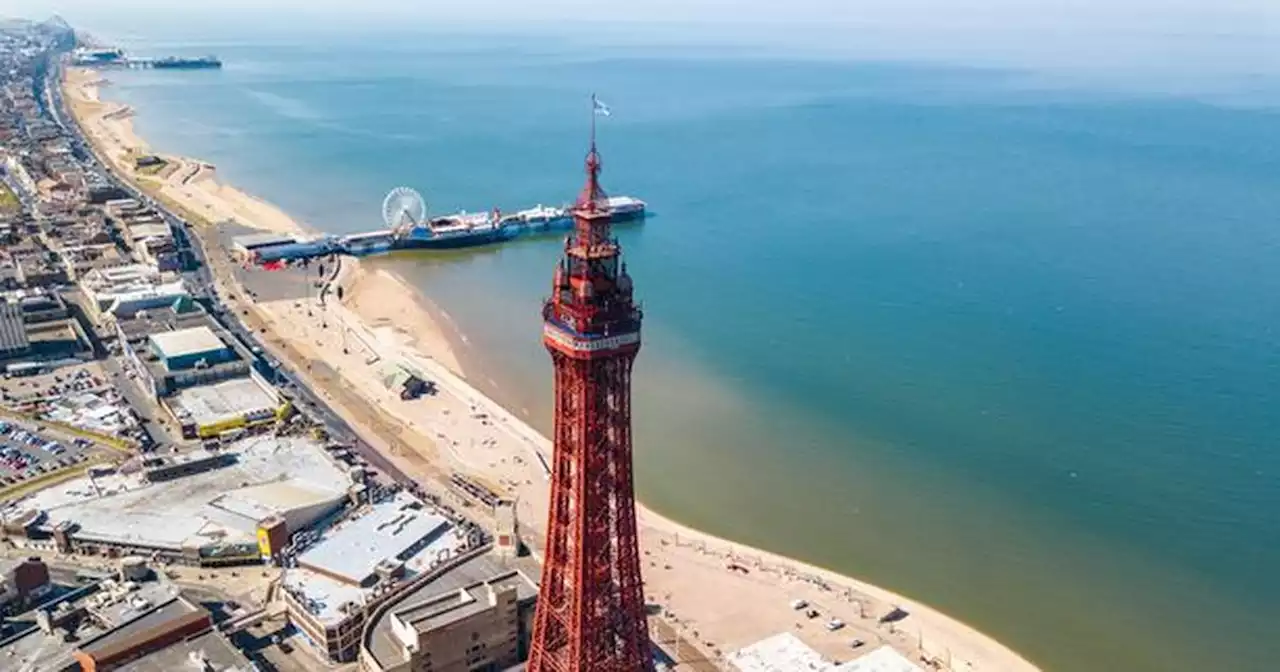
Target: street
point(202, 283)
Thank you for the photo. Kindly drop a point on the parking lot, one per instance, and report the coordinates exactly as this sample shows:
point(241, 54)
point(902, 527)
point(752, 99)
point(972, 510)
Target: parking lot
point(82, 395)
point(79, 378)
point(26, 452)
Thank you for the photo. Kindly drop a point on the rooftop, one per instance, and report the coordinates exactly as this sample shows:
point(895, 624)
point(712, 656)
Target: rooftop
point(13, 331)
point(102, 412)
point(454, 605)
point(258, 502)
point(192, 341)
point(124, 275)
point(142, 325)
point(150, 230)
point(124, 508)
point(115, 610)
point(785, 652)
point(254, 240)
point(211, 648)
point(425, 605)
point(391, 529)
point(883, 659)
point(153, 605)
point(328, 575)
point(208, 404)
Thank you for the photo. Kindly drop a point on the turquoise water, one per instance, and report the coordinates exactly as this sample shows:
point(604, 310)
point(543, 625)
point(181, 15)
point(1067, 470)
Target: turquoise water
point(1004, 342)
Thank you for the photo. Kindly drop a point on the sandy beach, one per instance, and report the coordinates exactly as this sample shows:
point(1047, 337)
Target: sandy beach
point(716, 593)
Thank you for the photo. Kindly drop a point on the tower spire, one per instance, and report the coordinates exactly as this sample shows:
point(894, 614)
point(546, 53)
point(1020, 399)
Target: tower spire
point(592, 196)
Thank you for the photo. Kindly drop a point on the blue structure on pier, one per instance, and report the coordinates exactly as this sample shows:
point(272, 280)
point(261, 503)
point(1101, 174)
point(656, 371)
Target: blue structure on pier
point(457, 231)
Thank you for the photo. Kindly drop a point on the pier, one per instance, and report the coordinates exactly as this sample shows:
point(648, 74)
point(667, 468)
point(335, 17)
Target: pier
point(117, 58)
point(461, 230)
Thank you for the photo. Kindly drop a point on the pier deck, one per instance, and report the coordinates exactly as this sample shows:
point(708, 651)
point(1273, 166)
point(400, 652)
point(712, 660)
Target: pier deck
point(458, 231)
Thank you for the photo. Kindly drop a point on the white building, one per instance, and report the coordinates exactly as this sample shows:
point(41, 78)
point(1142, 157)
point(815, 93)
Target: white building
point(14, 168)
point(362, 560)
point(785, 652)
point(122, 291)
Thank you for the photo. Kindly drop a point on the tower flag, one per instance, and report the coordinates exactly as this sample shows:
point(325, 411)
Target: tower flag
point(599, 107)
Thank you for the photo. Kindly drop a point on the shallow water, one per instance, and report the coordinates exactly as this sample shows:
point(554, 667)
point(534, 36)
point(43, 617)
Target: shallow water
point(1006, 344)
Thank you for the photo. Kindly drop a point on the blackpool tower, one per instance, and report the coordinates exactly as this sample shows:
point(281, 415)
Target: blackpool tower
point(591, 613)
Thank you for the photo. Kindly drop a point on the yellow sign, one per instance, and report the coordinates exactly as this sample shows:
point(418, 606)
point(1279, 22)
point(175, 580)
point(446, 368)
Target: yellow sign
point(216, 428)
point(264, 542)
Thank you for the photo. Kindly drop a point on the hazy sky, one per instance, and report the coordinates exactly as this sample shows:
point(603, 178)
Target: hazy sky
point(1181, 38)
point(1096, 13)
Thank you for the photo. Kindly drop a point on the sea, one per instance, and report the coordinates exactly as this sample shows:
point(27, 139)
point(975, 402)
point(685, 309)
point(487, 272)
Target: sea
point(1003, 339)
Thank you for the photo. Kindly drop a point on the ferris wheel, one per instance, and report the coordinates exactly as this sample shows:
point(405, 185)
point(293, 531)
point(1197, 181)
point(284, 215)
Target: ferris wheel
point(403, 208)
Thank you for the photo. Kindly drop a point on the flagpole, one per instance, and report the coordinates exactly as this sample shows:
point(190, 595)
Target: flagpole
point(593, 121)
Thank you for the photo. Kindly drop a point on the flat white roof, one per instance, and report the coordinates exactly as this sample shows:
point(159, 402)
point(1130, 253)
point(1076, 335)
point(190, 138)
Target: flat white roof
point(198, 509)
point(252, 240)
point(130, 300)
point(124, 273)
point(193, 341)
point(324, 595)
point(883, 659)
point(390, 529)
point(208, 404)
point(784, 652)
point(150, 230)
point(260, 501)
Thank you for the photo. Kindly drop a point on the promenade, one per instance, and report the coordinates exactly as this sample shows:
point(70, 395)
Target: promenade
point(711, 595)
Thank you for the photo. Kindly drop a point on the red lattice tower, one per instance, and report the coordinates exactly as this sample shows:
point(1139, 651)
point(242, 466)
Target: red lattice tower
point(591, 611)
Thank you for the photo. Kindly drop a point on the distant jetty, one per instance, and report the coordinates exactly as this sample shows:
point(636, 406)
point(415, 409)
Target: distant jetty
point(117, 58)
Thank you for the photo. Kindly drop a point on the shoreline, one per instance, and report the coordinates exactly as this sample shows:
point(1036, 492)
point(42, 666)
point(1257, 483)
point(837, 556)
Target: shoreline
point(401, 326)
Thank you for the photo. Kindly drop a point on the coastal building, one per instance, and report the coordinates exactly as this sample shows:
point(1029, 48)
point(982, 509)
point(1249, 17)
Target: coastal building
point(785, 652)
point(81, 242)
point(145, 231)
point(169, 360)
point(14, 168)
point(137, 329)
point(227, 407)
point(333, 582)
point(80, 259)
point(122, 626)
point(196, 347)
point(37, 325)
point(13, 332)
point(23, 581)
point(199, 373)
point(148, 624)
point(476, 614)
point(37, 266)
point(152, 243)
point(123, 291)
point(246, 246)
point(199, 509)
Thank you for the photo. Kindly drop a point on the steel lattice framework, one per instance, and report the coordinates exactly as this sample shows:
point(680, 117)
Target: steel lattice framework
point(591, 611)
